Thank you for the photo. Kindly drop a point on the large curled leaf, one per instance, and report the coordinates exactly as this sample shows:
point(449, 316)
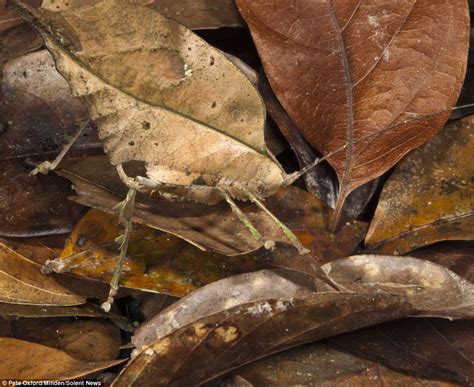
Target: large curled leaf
point(20, 360)
point(430, 196)
point(237, 320)
point(179, 117)
point(21, 282)
point(345, 70)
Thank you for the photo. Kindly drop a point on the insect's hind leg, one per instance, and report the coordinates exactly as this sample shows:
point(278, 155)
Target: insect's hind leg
point(125, 212)
point(47, 166)
point(292, 237)
point(245, 220)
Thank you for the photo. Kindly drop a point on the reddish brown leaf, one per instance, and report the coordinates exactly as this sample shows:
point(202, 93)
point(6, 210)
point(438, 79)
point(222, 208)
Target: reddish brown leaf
point(346, 70)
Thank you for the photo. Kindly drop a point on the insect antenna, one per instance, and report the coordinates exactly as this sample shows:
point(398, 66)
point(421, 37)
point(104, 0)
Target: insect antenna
point(291, 178)
point(125, 212)
point(290, 235)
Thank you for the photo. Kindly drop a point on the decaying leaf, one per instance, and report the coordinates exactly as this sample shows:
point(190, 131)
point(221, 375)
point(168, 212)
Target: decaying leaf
point(155, 262)
point(320, 365)
point(21, 282)
point(346, 70)
point(194, 14)
point(424, 347)
point(20, 361)
point(140, 109)
point(430, 196)
point(234, 321)
point(84, 340)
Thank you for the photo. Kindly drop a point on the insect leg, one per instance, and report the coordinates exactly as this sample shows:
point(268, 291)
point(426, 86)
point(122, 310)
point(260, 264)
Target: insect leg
point(292, 237)
point(125, 211)
point(245, 220)
point(47, 166)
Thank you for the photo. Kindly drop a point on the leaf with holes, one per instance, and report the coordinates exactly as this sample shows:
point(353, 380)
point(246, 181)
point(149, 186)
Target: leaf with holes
point(350, 72)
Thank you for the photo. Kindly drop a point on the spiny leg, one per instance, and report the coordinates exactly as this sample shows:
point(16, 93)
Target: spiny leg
point(47, 166)
point(292, 237)
point(245, 220)
point(125, 210)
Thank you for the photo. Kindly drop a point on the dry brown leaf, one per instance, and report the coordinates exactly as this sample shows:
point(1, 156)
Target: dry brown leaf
point(320, 365)
point(345, 70)
point(194, 14)
point(21, 282)
point(84, 340)
point(139, 109)
point(20, 360)
point(7, 19)
point(14, 311)
point(430, 348)
point(237, 320)
point(40, 114)
point(430, 196)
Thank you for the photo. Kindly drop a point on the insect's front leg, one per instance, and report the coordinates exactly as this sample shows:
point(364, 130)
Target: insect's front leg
point(46, 166)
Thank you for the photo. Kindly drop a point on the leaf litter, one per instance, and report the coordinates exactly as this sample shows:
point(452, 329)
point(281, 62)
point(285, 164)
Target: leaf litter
point(199, 99)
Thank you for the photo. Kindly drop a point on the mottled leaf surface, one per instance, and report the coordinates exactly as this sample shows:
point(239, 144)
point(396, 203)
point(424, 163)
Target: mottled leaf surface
point(140, 109)
point(234, 321)
point(430, 196)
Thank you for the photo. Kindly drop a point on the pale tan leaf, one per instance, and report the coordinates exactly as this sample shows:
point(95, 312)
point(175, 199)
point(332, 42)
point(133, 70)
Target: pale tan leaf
point(21, 282)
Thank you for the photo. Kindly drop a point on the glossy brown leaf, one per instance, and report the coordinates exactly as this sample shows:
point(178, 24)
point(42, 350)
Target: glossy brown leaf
point(216, 228)
point(237, 320)
point(424, 347)
point(346, 70)
point(320, 365)
point(430, 196)
point(21, 282)
point(84, 340)
point(20, 361)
